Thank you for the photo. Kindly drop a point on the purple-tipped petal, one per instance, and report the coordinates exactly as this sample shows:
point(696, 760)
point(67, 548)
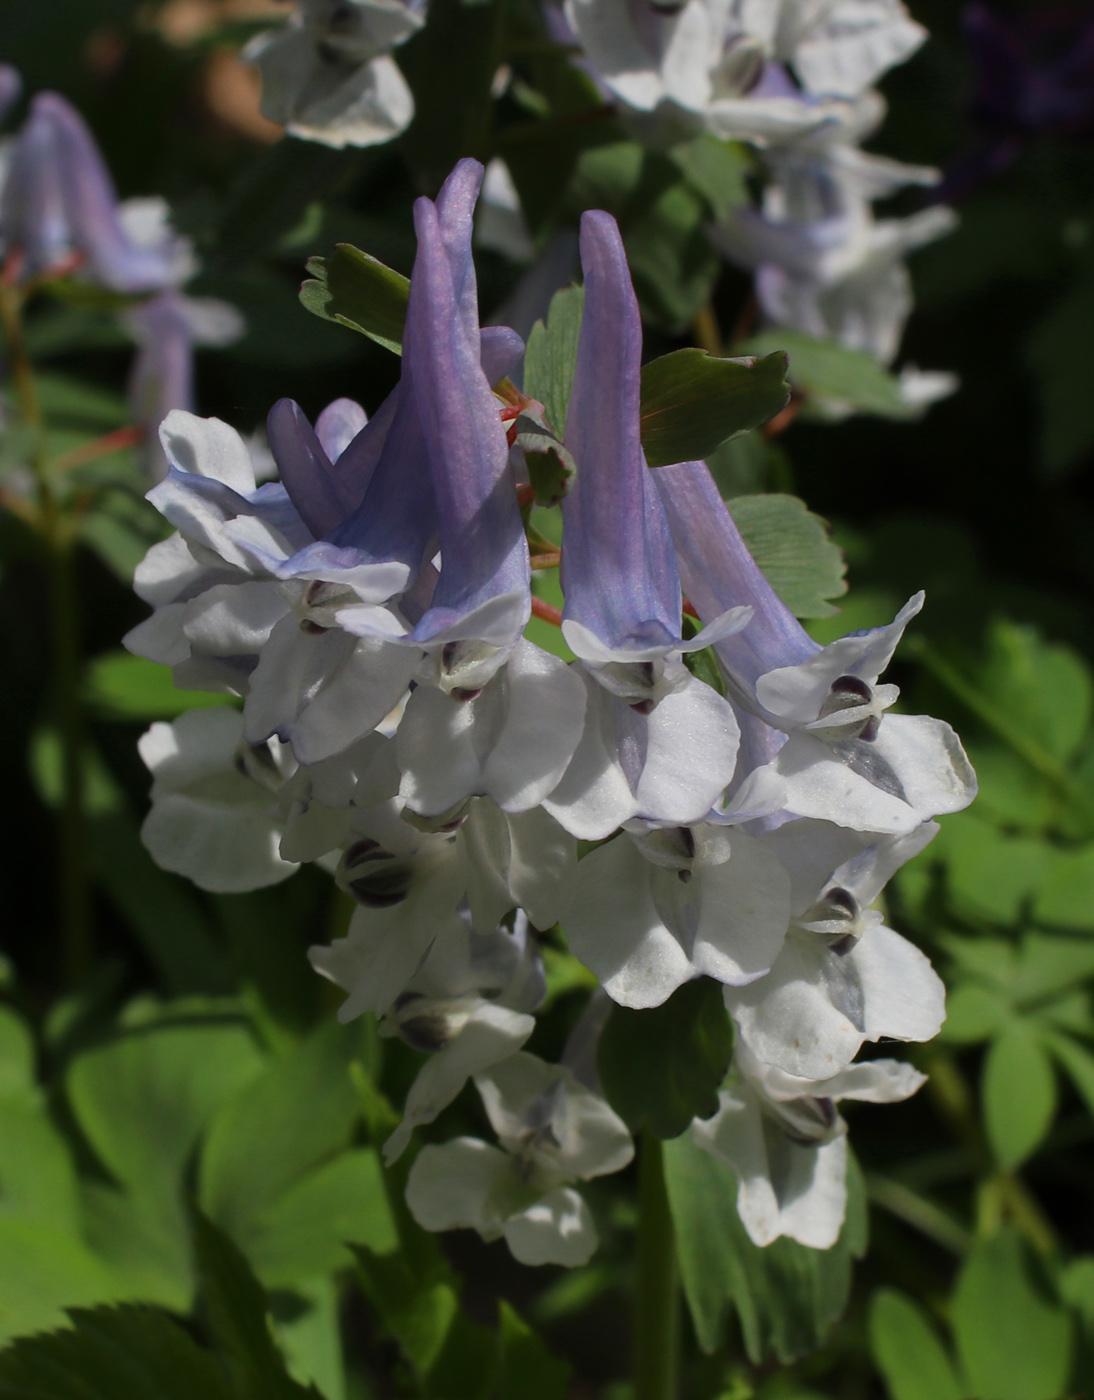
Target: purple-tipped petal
point(305, 469)
point(337, 426)
point(719, 573)
point(455, 215)
point(500, 352)
point(618, 569)
point(483, 550)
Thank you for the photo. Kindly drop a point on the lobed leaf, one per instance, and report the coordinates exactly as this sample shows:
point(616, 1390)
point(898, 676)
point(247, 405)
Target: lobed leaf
point(357, 290)
point(692, 402)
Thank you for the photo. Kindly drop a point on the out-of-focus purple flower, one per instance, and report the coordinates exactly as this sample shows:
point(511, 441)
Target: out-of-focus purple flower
point(166, 329)
point(59, 201)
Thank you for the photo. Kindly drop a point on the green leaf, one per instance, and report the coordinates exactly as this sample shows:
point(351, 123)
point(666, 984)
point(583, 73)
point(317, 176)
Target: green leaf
point(662, 1067)
point(793, 550)
point(298, 1113)
point(786, 1296)
point(305, 1232)
point(414, 1291)
point(84, 406)
point(551, 355)
point(1078, 1062)
point(717, 169)
point(1019, 1092)
point(907, 1349)
point(358, 291)
point(974, 1013)
point(1013, 1338)
point(120, 686)
point(692, 402)
point(527, 1369)
point(1043, 686)
point(237, 1311)
point(45, 1270)
point(1065, 899)
point(17, 1079)
point(127, 1353)
point(990, 874)
point(840, 380)
point(37, 1176)
point(310, 1337)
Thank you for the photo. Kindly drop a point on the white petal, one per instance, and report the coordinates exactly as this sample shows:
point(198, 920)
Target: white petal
point(558, 1229)
point(542, 863)
point(861, 40)
point(199, 744)
point(168, 570)
point(905, 998)
point(543, 721)
point(233, 619)
point(691, 751)
point(160, 637)
point(927, 758)
point(593, 796)
point(379, 955)
point(437, 753)
point(613, 926)
point(821, 785)
point(207, 447)
point(450, 1187)
point(222, 849)
point(810, 852)
point(876, 1081)
point(493, 1033)
point(795, 693)
point(744, 909)
point(787, 1019)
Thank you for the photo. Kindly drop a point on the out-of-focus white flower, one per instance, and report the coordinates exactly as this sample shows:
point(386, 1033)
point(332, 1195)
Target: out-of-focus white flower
point(327, 75)
point(499, 222)
point(553, 1131)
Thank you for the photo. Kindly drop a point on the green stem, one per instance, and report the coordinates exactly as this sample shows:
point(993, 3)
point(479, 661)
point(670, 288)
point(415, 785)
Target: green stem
point(74, 905)
point(657, 1295)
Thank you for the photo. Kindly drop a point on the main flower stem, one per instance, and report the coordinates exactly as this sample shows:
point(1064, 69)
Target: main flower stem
point(56, 537)
point(655, 1349)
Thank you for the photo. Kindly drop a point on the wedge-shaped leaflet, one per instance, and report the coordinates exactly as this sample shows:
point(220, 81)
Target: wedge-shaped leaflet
point(357, 290)
point(692, 402)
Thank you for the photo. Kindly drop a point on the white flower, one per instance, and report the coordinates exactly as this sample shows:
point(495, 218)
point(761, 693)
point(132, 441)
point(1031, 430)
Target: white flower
point(842, 977)
point(214, 814)
point(786, 1141)
point(553, 1131)
point(650, 912)
point(499, 222)
point(468, 1004)
point(326, 75)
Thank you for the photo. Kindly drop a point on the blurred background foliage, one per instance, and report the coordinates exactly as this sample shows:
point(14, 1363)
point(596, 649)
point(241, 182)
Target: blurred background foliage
point(194, 1079)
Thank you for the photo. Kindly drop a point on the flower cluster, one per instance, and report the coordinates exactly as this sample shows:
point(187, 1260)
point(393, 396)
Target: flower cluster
point(794, 78)
point(60, 216)
point(327, 73)
point(397, 726)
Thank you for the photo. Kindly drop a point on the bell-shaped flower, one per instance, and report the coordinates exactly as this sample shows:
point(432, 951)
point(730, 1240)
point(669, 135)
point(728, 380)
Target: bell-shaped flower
point(59, 201)
point(552, 1131)
point(785, 1140)
point(653, 909)
point(845, 760)
point(469, 1005)
point(657, 742)
point(327, 75)
point(842, 976)
point(214, 815)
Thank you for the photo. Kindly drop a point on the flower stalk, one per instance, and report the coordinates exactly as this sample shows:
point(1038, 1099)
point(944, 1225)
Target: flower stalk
point(656, 1343)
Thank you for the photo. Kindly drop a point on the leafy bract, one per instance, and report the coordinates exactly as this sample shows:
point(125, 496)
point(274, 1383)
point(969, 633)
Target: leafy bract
point(794, 551)
point(662, 1067)
point(692, 402)
point(357, 290)
point(837, 379)
point(786, 1296)
point(551, 356)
